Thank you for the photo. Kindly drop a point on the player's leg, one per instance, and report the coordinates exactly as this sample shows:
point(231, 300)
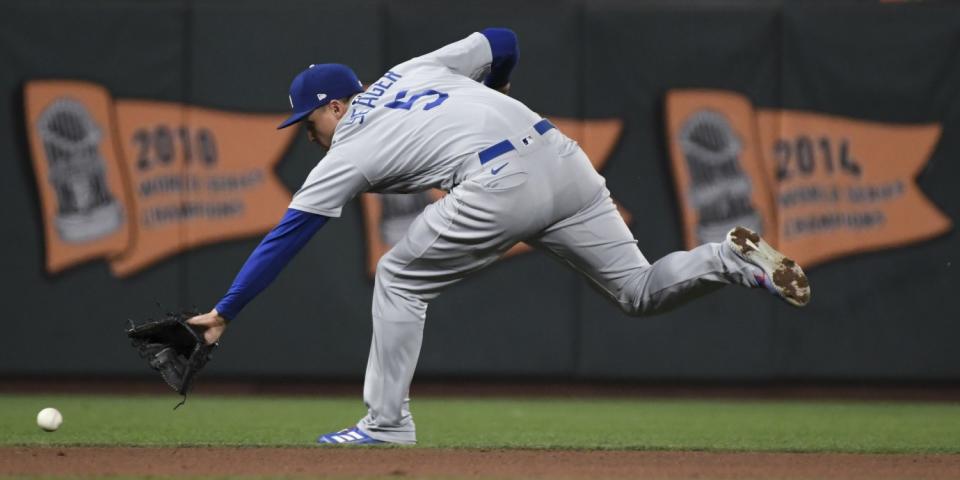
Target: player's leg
point(453, 237)
point(596, 242)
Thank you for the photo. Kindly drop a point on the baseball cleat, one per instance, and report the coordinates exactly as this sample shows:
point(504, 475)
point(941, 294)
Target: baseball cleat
point(349, 436)
point(780, 275)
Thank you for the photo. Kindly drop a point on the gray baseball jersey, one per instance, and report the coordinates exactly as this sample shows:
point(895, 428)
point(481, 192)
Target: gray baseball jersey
point(413, 129)
point(512, 177)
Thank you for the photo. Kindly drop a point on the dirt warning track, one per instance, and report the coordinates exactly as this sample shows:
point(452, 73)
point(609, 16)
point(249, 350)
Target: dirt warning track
point(454, 463)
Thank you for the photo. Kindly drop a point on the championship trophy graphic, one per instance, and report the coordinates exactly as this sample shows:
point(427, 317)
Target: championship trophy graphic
point(720, 191)
point(86, 209)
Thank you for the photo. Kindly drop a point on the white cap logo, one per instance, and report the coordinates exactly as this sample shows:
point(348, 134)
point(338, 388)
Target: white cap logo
point(291, 100)
point(321, 96)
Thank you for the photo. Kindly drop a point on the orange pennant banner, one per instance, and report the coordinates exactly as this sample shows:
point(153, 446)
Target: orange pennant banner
point(817, 186)
point(137, 181)
point(717, 166)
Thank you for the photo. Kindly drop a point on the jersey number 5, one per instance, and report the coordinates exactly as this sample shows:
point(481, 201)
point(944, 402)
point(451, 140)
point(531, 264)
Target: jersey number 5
point(400, 103)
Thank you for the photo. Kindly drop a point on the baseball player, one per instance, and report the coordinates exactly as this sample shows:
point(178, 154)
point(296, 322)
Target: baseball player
point(443, 120)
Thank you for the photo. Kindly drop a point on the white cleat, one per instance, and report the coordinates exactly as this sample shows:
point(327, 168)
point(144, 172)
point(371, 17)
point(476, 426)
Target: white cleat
point(781, 275)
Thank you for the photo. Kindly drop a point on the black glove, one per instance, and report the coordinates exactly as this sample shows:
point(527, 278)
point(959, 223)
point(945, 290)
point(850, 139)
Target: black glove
point(174, 348)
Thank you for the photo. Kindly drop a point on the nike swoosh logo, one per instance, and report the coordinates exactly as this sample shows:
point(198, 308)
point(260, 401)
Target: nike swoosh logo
point(494, 171)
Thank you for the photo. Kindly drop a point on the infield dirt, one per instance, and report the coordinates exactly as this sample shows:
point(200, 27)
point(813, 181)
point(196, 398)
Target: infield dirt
point(417, 463)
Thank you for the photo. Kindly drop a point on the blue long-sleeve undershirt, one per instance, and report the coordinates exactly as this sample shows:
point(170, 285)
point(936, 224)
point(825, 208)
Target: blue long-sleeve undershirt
point(268, 259)
point(506, 53)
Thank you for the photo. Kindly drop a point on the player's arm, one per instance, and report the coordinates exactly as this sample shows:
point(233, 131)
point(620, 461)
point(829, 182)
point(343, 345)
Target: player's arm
point(262, 266)
point(489, 56)
point(330, 185)
point(505, 52)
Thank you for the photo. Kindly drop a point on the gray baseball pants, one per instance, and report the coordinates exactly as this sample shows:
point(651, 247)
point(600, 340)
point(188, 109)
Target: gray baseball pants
point(548, 194)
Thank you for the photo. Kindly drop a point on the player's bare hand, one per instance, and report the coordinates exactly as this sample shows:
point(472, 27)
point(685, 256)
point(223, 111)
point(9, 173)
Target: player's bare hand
point(214, 323)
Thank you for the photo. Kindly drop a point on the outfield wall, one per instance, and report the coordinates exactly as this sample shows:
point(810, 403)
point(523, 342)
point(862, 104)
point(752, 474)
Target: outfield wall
point(855, 75)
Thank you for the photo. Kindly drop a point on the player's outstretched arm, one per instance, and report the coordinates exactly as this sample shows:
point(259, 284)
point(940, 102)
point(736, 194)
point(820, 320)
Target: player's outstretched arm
point(261, 268)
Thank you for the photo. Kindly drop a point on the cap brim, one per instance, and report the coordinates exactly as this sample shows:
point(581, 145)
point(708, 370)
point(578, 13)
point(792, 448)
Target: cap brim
point(296, 117)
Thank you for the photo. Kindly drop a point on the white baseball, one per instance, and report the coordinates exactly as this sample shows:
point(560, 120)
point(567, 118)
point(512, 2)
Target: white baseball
point(49, 419)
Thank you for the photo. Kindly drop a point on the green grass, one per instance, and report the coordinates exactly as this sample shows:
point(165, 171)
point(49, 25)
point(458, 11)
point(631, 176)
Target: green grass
point(497, 423)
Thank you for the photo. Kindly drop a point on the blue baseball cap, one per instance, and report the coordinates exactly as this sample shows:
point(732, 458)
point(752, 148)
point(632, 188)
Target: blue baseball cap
point(316, 86)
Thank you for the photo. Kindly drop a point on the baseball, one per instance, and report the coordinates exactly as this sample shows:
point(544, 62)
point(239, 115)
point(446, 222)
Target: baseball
point(49, 419)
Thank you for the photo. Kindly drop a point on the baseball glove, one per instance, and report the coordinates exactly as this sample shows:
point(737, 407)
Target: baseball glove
point(172, 347)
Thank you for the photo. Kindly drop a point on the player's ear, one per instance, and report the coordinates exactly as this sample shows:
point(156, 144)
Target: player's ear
point(338, 107)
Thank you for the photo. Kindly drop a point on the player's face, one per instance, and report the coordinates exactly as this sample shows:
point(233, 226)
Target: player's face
point(323, 121)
